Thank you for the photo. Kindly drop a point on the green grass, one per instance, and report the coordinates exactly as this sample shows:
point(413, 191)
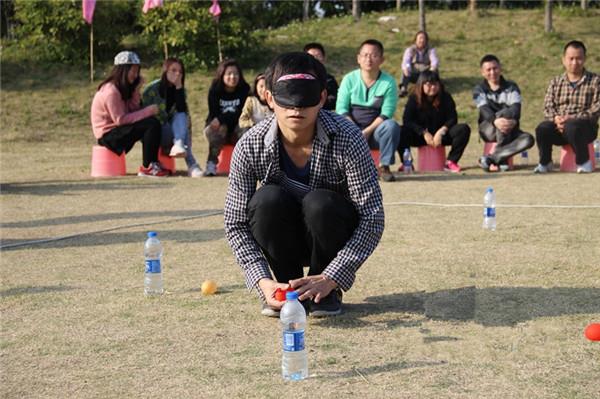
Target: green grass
point(440, 309)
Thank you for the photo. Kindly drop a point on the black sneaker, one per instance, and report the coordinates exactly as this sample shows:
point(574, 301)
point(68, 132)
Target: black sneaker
point(331, 305)
point(402, 92)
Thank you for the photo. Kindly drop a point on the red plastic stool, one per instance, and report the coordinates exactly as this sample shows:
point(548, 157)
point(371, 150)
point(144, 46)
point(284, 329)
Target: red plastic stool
point(375, 156)
point(166, 161)
point(567, 158)
point(489, 148)
point(224, 159)
point(431, 159)
point(106, 163)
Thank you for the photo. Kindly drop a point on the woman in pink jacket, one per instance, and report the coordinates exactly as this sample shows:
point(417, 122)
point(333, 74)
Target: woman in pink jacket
point(118, 120)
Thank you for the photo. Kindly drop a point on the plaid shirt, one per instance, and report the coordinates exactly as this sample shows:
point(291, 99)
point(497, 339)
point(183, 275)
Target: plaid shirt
point(582, 101)
point(340, 161)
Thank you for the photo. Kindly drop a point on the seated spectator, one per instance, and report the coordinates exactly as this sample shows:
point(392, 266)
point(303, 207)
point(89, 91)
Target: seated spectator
point(302, 192)
point(169, 94)
point(118, 120)
point(571, 109)
point(368, 98)
point(499, 104)
point(430, 119)
point(256, 108)
point(417, 58)
point(318, 51)
point(226, 97)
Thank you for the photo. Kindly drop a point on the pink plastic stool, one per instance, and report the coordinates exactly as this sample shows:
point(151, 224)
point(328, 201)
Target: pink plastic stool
point(166, 161)
point(567, 158)
point(106, 163)
point(375, 156)
point(489, 148)
point(431, 159)
point(224, 159)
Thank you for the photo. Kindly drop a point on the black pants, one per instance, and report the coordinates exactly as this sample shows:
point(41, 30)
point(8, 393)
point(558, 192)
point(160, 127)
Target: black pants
point(579, 133)
point(411, 78)
point(507, 145)
point(294, 234)
point(457, 138)
point(122, 138)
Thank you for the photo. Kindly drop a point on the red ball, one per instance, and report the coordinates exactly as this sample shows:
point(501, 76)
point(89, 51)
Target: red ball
point(592, 332)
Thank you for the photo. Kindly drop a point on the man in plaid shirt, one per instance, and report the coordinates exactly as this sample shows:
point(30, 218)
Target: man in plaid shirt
point(571, 109)
point(318, 201)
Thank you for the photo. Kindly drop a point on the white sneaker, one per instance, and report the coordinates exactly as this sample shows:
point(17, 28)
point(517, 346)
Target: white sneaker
point(195, 171)
point(543, 168)
point(585, 167)
point(178, 150)
point(211, 169)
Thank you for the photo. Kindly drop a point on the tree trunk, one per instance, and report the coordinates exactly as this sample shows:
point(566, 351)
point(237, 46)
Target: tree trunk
point(305, 10)
point(356, 10)
point(398, 5)
point(584, 4)
point(548, 16)
point(502, 4)
point(472, 5)
point(422, 25)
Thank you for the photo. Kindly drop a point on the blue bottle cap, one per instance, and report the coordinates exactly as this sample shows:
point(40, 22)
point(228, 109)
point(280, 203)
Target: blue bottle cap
point(291, 295)
point(152, 234)
point(489, 189)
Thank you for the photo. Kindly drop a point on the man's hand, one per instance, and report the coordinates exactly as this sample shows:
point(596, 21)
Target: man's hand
point(366, 134)
point(268, 288)
point(560, 122)
point(313, 287)
point(428, 138)
point(505, 125)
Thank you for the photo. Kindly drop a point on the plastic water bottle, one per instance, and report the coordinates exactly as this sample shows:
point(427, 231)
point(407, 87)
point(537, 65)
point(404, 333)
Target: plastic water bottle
point(524, 158)
point(597, 152)
point(153, 282)
point(294, 363)
point(489, 209)
point(407, 161)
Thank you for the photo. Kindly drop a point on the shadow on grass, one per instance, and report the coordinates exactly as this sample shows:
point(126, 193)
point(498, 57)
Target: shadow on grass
point(457, 84)
point(377, 369)
point(116, 239)
point(65, 187)
point(66, 220)
point(493, 306)
point(34, 290)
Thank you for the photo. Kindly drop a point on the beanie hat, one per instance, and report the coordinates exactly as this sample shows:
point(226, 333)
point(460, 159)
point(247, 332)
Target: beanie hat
point(127, 58)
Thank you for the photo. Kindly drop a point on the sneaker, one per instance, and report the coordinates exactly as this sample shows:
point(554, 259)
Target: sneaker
point(402, 92)
point(543, 168)
point(178, 150)
point(585, 167)
point(452, 167)
point(269, 311)
point(484, 163)
point(386, 174)
point(211, 169)
point(331, 305)
point(153, 170)
point(401, 168)
point(195, 171)
point(504, 167)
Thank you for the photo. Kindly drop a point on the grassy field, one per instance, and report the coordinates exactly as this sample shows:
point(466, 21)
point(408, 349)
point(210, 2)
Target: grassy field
point(441, 309)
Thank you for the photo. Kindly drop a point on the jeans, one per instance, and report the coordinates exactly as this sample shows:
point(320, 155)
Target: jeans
point(507, 145)
point(578, 133)
point(177, 129)
point(386, 137)
point(295, 234)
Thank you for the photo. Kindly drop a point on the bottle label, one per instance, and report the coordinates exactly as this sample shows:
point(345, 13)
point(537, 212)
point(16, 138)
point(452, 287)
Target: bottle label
point(153, 266)
point(489, 212)
point(293, 341)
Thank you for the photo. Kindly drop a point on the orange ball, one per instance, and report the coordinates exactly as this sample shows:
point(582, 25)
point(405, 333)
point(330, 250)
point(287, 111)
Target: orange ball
point(208, 287)
point(592, 332)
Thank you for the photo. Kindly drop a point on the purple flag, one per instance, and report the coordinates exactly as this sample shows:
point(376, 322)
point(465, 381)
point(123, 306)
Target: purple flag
point(215, 9)
point(148, 4)
point(88, 7)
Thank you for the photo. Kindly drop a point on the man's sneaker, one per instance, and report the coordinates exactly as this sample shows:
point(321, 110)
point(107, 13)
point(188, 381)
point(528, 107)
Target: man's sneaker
point(211, 169)
point(585, 167)
point(504, 167)
point(543, 168)
point(484, 163)
point(452, 167)
point(269, 311)
point(402, 92)
point(178, 150)
point(386, 174)
point(195, 171)
point(153, 170)
point(331, 305)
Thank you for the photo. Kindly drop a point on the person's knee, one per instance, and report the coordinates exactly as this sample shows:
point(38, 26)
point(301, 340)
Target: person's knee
point(487, 132)
point(270, 198)
point(319, 204)
point(544, 128)
point(388, 129)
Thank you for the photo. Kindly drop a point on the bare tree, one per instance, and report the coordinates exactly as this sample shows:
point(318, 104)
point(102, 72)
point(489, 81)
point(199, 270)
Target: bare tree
point(305, 9)
point(548, 16)
point(584, 4)
point(472, 6)
point(356, 10)
point(398, 5)
point(502, 5)
point(422, 25)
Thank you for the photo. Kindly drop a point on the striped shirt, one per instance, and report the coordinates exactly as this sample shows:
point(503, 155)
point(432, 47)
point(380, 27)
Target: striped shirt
point(581, 101)
point(340, 161)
